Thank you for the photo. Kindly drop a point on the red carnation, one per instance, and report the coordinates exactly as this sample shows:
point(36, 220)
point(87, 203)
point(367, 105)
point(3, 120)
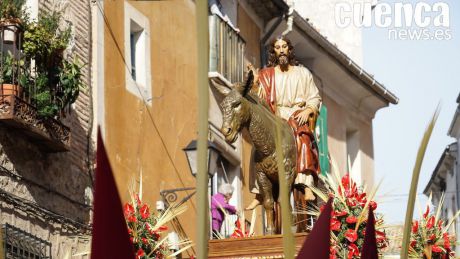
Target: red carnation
point(163, 228)
point(340, 213)
point(446, 241)
point(335, 225)
point(430, 222)
point(415, 226)
point(351, 202)
point(351, 219)
point(436, 249)
point(144, 210)
point(352, 250)
point(351, 235)
point(128, 210)
point(132, 219)
point(332, 252)
point(426, 212)
point(140, 253)
point(346, 181)
point(380, 234)
point(137, 199)
point(440, 224)
point(144, 240)
point(413, 243)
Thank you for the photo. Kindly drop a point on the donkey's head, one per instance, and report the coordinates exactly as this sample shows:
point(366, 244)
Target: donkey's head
point(235, 107)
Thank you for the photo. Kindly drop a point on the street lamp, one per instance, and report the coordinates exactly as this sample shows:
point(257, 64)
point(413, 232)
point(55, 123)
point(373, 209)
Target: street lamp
point(212, 156)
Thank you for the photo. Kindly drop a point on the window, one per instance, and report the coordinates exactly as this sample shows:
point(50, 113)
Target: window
point(353, 155)
point(321, 137)
point(228, 170)
point(20, 244)
point(227, 173)
point(137, 54)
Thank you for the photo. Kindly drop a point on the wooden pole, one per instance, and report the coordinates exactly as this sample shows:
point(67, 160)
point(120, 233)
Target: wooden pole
point(203, 104)
point(286, 216)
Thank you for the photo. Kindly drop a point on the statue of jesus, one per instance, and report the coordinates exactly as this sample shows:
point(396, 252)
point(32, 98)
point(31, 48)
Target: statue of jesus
point(290, 92)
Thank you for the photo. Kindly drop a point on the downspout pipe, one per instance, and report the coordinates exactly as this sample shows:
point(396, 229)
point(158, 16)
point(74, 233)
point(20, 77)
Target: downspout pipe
point(288, 12)
point(268, 34)
point(290, 18)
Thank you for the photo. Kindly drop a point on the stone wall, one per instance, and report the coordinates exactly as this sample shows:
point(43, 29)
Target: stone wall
point(49, 195)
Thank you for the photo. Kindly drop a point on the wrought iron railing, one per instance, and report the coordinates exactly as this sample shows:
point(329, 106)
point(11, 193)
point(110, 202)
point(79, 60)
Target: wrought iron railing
point(226, 50)
point(47, 82)
point(18, 244)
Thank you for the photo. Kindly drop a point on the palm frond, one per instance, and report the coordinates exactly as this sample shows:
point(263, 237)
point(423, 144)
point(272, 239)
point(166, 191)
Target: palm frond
point(169, 214)
point(414, 183)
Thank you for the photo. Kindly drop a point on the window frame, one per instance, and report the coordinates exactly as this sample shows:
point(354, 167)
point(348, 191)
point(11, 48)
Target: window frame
point(142, 85)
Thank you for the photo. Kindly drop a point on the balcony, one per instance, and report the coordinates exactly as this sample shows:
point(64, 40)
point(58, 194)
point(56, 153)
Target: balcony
point(19, 115)
point(38, 80)
point(226, 51)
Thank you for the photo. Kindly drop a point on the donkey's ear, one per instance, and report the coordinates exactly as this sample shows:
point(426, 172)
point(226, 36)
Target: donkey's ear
point(249, 82)
point(224, 90)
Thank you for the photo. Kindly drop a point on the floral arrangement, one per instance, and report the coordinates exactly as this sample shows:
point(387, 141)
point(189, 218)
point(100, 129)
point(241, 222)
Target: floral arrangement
point(240, 231)
point(146, 230)
point(242, 227)
point(430, 238)
point(349, 216)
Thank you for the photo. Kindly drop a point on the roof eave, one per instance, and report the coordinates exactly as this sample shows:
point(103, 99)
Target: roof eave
point(346, 62)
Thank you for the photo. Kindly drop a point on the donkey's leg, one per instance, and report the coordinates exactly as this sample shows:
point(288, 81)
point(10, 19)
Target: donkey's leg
point(266, 189)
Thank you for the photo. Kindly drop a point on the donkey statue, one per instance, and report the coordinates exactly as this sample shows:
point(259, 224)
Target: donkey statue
point(243, 110)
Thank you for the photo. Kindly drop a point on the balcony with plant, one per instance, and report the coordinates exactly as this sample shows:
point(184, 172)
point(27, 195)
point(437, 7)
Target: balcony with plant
point(39, 81)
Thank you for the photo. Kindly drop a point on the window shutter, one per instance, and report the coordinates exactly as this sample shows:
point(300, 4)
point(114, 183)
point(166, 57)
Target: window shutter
point(321, 131)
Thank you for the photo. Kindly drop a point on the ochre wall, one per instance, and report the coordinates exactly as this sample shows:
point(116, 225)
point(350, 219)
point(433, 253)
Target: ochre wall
point(149, 139)
point(251, 34)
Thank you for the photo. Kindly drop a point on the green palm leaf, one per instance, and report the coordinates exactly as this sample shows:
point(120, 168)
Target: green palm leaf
point(414, 183)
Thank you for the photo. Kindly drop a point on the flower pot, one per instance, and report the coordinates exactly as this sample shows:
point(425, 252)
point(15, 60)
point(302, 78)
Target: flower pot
point(8, 90)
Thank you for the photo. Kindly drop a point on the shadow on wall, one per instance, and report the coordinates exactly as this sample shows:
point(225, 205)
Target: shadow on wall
point(57, 182)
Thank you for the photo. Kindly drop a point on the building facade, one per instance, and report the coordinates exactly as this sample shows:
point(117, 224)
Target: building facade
point(445, 179)
point(46, 172)
point(140, 89)
point(149, 93)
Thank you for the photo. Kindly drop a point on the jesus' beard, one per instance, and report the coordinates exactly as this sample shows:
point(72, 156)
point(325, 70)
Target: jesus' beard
point(283, 62)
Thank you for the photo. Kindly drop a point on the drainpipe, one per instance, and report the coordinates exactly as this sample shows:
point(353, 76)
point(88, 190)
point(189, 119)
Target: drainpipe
point(263, 53)
point(290, 18)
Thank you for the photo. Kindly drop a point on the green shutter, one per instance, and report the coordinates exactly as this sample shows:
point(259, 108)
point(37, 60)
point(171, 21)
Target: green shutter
point(321, 128)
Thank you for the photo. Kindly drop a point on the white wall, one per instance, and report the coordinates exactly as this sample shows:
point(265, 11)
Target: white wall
point(322, 15)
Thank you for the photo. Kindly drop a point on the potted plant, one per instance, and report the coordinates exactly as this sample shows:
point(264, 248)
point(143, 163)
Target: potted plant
point(12, 14)
point(45, 41)
point(57, 81)
point(11, 76)
point(69, 83)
